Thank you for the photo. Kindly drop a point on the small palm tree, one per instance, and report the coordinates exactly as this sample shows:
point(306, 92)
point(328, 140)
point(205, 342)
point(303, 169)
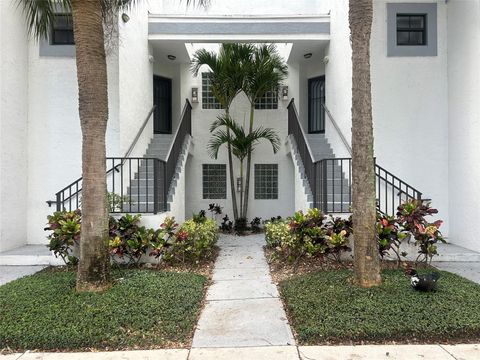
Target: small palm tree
point(227, 77)
point(264, 73)
point(88, 17)
point(241, 143)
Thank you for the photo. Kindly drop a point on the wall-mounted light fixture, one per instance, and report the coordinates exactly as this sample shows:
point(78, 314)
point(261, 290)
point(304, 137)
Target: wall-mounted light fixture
point(125, 18)
point(307, 55)
point(171, 57)
point(285, 93)
point(194, 95)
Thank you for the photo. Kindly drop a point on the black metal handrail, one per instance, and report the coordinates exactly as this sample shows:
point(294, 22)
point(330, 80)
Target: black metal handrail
point(134, 184)
point(183, 129)
point(330, 180)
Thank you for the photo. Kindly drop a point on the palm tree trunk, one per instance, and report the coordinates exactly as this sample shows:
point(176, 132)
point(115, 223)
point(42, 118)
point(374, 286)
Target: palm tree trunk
point(366, 261)
point(94, 267)
point(232, 177)
point(249, 165)
point(241, 187)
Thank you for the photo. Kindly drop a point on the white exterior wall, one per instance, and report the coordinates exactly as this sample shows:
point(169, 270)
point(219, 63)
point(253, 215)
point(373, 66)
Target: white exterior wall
point(13, 127)
point(464, 121)
point(263, 154)
point(135, 81)
point(338, 78)
point(410, 112)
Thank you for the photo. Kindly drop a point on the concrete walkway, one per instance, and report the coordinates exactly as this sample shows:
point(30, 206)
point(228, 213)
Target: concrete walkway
point(242, 305)
point(364, 352)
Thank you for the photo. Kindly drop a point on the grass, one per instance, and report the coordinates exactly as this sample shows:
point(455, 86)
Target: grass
point(144, 309)
point(324, 307)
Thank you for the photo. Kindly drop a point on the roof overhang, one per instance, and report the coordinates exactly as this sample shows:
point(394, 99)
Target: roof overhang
point(239, 28)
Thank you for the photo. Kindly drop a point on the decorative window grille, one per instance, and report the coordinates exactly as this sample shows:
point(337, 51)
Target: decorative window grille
point(266, 181)
point(209, 101)
point(214, 179)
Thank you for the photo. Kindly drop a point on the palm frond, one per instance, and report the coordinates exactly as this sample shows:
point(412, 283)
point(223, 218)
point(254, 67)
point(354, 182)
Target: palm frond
point(39, 15)
point(219, 138)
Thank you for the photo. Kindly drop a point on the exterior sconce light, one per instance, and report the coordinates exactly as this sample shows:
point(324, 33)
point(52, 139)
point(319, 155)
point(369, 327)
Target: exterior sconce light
point(194, 95)
point(125, 18)
point(285, 93)
point(307, 55)
point(239, 184)
point(171, 57)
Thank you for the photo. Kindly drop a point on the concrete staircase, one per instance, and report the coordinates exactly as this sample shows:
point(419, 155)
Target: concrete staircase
point(141, 188)
point(338, 186)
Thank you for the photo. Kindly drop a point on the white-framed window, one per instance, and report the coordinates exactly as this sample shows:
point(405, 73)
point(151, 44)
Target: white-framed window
point(214, 180)
point(266, 181)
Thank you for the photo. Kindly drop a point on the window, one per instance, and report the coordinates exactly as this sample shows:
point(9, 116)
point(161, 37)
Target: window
point(214, 181)
point(411, 29)
point(62, 30)
point(268, 102)
point(266, 181)
point(208, 99)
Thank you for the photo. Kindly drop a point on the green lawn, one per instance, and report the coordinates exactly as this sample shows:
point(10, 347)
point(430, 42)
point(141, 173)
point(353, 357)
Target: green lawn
point(324, 307)
point(143, 309)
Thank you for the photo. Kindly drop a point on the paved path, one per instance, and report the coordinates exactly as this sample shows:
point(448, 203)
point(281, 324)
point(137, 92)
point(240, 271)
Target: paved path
point(10, 273)
point(243, 306)
point(364, 352)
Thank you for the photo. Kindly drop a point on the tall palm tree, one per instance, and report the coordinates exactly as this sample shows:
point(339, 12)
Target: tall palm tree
point(366, 261)
point(265, 72)
point(88, 20)
point(227, 77)
point(241, 143)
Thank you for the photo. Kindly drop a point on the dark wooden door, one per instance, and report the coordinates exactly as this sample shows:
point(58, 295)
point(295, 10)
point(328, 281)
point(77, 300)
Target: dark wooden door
point(162, 98)
point(316, 98)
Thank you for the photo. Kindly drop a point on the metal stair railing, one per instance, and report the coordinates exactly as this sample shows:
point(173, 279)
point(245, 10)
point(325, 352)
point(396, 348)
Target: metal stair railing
point(330, 180)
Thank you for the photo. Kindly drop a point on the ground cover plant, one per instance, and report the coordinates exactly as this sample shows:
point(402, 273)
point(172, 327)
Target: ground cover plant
point(325, 307)
point(142, 309)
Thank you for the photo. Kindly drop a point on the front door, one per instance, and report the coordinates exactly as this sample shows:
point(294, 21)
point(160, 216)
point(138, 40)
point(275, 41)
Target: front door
point(316, 98)
point(162, 99)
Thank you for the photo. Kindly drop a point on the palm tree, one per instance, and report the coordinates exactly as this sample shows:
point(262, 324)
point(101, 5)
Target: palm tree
point(366, 262)
point(264, 73)
point(88, 19)
point(227, 76)
point(241, 143)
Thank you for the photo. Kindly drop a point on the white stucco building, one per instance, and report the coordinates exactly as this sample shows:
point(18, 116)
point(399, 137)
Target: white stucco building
point(425, 90)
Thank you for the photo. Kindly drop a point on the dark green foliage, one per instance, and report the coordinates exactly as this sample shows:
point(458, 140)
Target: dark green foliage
point(241, 226)
point(255, 225)
point(143, 309)
point(325, 306)
point(227, 225)
point(65, 234)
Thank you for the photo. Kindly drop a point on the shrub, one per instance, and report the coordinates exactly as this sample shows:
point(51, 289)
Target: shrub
point(241, 226)
point(411, 215)
point(308, 235)
point(255, 225)
point(227, 225)
point(163, 238)
point(193, 242)
point(389, 236)
point(65, 234)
